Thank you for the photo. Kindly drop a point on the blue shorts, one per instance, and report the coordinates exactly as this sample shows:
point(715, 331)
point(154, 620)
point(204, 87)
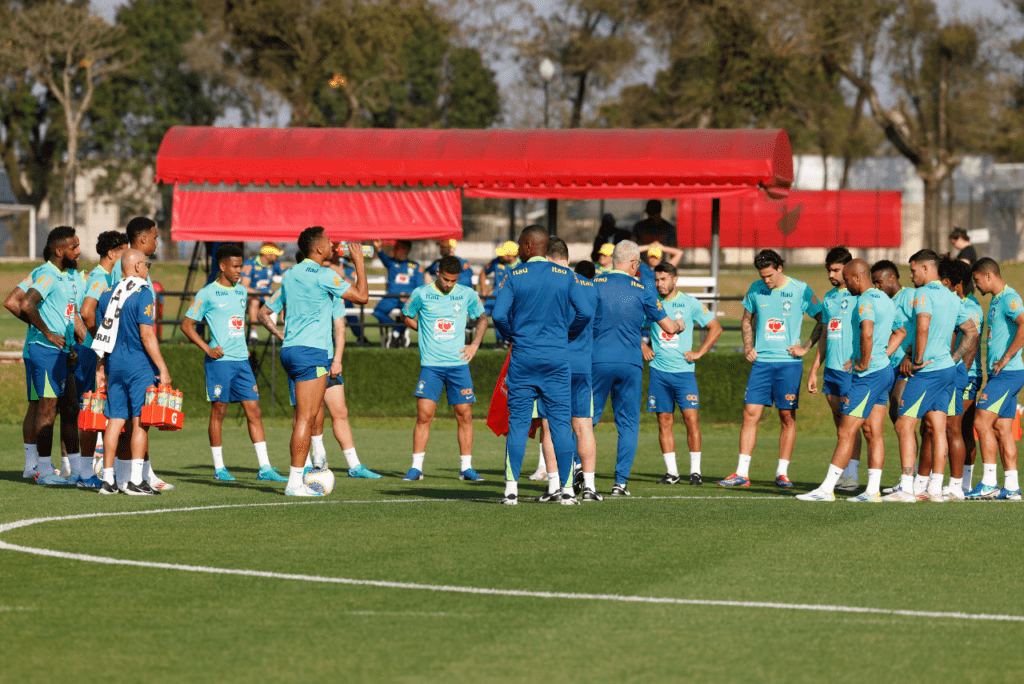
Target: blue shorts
point(455, 379)
point(1000, 393)
point(305, 363)
point(667, 390)
point(230, 381)
point(837, 382)
point(126, 391)
point(85, 371)
point(927, 392)
point(582, 399)
point(49, 371)
point(867, 392)
point(29, 373)
point(956, 402)
point(774, 382)
point(971, 391)
point(336, 381)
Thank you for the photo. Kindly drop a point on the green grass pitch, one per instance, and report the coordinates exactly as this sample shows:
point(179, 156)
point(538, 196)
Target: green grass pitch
point(63, 619)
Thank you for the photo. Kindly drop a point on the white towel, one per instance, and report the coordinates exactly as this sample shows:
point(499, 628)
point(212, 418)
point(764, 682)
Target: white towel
point(106, 334)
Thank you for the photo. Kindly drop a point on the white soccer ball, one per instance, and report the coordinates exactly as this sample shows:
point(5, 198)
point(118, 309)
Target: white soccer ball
point(319, 480)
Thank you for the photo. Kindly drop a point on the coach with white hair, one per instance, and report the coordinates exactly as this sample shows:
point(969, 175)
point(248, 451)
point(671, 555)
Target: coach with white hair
point(618, 359)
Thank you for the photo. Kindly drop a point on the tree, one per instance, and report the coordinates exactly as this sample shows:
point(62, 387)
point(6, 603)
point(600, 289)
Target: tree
point(68, 51)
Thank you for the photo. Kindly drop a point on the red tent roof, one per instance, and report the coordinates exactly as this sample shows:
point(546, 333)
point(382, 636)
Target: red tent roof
point(573, 164)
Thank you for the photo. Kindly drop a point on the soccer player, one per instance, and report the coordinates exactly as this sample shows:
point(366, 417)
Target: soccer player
point(773, 307)
point(835, 350)
point(306, 289)
point(258, 274)
point(604, 258)
point(229, 376)
point(110, 246)
point(404, 276)
point(507, 258)
point(439, 311)
point(540, 309)
point(997, 402)
point(931, 373)
point(974, 378)
point(864, 400)
point(447, 248)
point(50, 306)
point(127, 337)
point(885, 276)
point(618, 363)
point(651, 256)
point(672, 379)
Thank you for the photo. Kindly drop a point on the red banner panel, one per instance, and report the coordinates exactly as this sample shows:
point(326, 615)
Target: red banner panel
point(347, 216)
point(806, 218)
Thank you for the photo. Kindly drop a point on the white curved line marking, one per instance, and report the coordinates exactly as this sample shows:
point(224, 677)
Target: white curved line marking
point(440, 587)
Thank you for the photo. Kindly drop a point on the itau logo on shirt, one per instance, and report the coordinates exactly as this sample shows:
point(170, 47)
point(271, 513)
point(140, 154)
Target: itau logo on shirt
point(443, 329)
point(235, 325)
point(774, 329)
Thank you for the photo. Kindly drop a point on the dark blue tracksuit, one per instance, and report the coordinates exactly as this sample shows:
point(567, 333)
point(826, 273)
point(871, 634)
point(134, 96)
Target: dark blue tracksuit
point(403, 278)
point(539, 307)
point(618, 360)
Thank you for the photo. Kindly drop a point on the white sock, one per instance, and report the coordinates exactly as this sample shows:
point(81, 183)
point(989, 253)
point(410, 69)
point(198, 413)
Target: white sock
point(542, 465)
point(44, 466)
point(511, 487)
point(85, 467)
point(907, 484)
point(852, 468)
point(588, 481)
point(935, 484)
point(218, 457)
point(874, 481)
point(743, 467)
point(988, 473)
point(568, 490)
point(552, 483)
point(920, 484)
point(148, 475)
point(75, 465)
point(351, 458)
point(1010, 481)
point(108, 476)
point(968, 477)
point(122, 471)
point(136, 470)
point(417, 460)
point(956, 483)
point(308, 462)
point(261, 453)
point(829, 485)
point(783, 469)
point(695, 462)
point(670, 463)
point(65, 465)
point(294, 478)
point(31, 456)
point(465, 462)
point(316, 446)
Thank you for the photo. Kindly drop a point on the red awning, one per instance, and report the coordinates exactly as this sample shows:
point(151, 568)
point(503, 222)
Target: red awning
point(562, 164)
point(347, 216)
point(805, 218)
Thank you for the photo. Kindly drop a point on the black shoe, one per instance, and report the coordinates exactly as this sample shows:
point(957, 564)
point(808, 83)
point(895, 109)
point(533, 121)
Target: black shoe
point(669, 479)
point(108, 488)
point(695, 479)
point(136, 490)
point(620, 490)
point(568, 500)
point(591, 495)
point(549, 496)
point(509, 500)
point(362, 341)
point(577, 482)
point(145, 487)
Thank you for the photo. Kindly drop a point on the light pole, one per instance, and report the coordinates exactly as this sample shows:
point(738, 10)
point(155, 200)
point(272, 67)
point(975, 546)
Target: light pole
point(547, 72)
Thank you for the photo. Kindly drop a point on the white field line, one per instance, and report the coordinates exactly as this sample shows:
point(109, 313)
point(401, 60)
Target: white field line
point(445, 588)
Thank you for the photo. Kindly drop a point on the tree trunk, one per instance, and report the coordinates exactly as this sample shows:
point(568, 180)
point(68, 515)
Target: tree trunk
point(577, 101)
point(932, 202)
point(70, 171)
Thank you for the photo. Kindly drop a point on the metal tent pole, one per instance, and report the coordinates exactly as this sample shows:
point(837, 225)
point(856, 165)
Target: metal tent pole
point(716, 208)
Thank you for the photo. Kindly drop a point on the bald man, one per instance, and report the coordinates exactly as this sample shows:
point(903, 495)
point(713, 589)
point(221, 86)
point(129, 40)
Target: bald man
point(864, 404)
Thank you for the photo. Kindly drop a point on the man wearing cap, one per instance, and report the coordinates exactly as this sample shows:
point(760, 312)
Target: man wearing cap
point(499, 267)
point(258, 273)
point(404, 276)
point(654, 228)
point(447, 248)
point(604, 258)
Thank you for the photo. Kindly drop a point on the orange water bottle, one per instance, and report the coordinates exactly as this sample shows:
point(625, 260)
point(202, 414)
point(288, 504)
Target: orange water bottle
point(181, 400)
point(150, 395)
point(87, 402)
point(163, 396)
point(99, 401)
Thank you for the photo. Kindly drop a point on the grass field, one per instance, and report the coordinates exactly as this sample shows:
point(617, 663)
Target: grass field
point(419, 553)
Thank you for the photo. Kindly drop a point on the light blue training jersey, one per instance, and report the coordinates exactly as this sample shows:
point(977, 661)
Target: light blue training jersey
point(1003, 311)
point(670, 350)
point(837, 309)
point(24, 285)
point(223, 308)
point(59, 306)
point(306, 289)
point(935, 299)
point(779, 314)
point(875, 306)
point(972, 308)
point(904, 303)
point(442, 322)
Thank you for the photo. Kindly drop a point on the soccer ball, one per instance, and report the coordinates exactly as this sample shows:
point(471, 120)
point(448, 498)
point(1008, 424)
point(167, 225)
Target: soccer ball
point(319, 480)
